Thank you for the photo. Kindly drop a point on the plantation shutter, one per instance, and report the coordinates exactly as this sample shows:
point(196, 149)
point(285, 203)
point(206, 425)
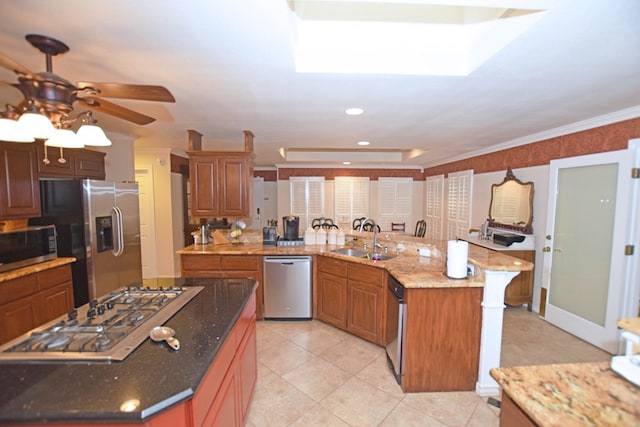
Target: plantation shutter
point(459, 210)
point(395, 197)
point(434, 207)
point(306, 198)
point(351, 199)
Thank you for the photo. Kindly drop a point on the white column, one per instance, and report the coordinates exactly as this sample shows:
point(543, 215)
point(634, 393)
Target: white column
point(491, 333)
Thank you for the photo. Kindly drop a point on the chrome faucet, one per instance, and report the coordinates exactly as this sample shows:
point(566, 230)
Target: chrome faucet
point(376, 245)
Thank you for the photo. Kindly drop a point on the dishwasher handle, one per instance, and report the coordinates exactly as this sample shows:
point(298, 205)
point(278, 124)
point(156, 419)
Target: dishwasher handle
point(286, 260)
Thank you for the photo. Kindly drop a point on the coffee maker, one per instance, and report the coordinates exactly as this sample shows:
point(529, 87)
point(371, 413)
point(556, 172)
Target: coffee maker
point(290, 227)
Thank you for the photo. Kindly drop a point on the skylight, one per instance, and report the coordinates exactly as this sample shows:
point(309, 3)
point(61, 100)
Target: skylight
point(438, 37)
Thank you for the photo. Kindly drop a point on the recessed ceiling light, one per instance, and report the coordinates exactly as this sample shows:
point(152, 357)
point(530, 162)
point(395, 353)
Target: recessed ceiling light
point(354, 111)
point(363, 142)
point(346, 163)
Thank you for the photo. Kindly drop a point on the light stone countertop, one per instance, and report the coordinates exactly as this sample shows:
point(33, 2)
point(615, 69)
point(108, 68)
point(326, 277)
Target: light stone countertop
point(35, 268)
point(631, 324)
point(576, 394)
point(411, 270)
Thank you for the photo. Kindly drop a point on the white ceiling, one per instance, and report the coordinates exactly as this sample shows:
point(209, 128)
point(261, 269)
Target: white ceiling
point(230, 66)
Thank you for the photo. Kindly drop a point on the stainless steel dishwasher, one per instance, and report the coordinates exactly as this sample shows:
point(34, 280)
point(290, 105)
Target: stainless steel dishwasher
point(396, 327)
point(287, 287)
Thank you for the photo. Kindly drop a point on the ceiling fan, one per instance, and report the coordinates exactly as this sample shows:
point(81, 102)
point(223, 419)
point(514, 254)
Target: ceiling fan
point(49, 94)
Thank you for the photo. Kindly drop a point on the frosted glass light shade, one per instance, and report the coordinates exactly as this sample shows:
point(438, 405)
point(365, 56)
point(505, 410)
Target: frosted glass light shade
point(35, 124)
point(93, 135)
point(9, 131)
point(64, 138)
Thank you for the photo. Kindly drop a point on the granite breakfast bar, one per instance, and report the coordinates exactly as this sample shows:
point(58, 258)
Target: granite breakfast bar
point(484, 288)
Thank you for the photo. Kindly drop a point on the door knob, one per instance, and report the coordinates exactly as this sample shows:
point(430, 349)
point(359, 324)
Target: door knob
point(548, 237)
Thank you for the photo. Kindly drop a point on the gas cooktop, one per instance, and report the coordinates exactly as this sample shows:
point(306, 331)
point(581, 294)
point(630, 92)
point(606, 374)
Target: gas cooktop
point(107, 329)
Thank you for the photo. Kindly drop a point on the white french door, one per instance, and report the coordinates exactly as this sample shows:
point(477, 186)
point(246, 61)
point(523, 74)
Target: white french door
point(584, 262)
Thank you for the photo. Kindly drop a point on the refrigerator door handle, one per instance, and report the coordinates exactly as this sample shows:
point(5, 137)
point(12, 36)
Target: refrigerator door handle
point(119, 249)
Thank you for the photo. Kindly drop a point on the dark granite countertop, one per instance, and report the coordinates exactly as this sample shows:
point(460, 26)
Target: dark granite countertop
point(153, 374)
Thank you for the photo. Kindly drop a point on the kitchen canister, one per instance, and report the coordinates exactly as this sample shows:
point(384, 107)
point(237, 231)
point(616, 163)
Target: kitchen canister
point(340, 238)
point(321, 237)
point(310, 236)
point(457, 256)
point(332, 237)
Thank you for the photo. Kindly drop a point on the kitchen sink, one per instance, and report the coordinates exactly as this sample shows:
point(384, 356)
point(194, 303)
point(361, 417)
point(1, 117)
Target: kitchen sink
point(350, 252)
point(357, 253)
point(379, 257)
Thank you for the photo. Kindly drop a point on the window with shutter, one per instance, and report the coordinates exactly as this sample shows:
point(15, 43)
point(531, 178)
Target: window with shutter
point(306, 198)
point(434, 207)
point(459, 209)
point(395, 197)
point(351, 200)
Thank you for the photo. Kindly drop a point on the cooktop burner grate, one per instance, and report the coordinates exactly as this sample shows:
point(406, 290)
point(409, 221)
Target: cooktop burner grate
point(107, 329)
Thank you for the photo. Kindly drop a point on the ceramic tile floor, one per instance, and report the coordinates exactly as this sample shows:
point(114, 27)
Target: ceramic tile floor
point(311, 374)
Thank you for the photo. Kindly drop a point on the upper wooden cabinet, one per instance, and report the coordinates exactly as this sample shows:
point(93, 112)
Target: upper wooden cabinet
point(78, 163)
point(221, 183)
point(20, 191)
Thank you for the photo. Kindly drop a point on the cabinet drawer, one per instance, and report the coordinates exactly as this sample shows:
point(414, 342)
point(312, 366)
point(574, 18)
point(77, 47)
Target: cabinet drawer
point(14, 289)
point(200, 263)
point(240, 263)
point(362, 273)
point(332, 266)
point(55, 276)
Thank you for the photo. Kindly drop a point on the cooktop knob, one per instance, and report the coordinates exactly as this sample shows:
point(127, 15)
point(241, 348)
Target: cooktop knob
point(93, 303)
point(101, 309)
point(73, 314)
point(110, 305)
point(91, 313)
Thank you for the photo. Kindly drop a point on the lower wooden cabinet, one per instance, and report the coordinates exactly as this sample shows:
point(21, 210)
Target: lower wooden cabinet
point(350, 296)
point(511, 415)
point(520, 290)
point(442, 339)
point(30, 301)
point(221, 266)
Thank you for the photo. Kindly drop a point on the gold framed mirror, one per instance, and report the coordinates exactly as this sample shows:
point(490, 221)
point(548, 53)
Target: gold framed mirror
point(511, 204)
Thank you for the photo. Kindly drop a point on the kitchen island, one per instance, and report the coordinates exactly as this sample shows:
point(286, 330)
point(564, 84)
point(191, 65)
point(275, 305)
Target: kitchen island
point(461, 333)
point(210, 379)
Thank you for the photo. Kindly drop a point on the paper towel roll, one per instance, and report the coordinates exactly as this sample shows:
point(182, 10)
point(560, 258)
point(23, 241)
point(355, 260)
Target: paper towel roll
point(457, 254)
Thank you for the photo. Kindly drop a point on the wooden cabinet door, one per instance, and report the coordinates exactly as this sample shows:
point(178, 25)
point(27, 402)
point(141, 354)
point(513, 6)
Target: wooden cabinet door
point(364, 313)
point(232, 179)
point(332, 300)
point(89, 164)
point(204, 186)
point(59, 163)
point(247, 369)
point(54, 302)
point(225, 411)
point(17, 317)
point(520, 290)
point(19, 189)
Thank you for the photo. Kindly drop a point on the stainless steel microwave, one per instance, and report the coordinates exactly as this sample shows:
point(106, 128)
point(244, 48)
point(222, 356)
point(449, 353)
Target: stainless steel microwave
point(31, 245)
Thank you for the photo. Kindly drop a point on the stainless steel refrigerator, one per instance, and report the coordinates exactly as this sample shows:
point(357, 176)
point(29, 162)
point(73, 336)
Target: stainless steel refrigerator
point(112, 219)
point(98, 223)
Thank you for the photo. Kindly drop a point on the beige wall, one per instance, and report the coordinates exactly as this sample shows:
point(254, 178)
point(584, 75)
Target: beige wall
point(168, 204)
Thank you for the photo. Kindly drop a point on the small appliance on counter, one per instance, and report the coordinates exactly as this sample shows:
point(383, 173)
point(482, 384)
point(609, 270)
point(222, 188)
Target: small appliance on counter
point(269, 236)
point(290, 227)
point(628, 364)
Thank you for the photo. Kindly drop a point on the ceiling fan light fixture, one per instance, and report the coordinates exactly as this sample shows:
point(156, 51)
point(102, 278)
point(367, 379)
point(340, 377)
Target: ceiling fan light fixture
point(93, 135)
point(35, 124)
point(9, 131)
point(65, 138)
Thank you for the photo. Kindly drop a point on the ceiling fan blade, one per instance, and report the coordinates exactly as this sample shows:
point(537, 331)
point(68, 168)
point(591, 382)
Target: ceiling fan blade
point(107, 107)
point(12, 65)
point(128, 91)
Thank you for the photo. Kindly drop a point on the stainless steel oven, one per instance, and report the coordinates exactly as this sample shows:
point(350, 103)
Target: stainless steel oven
point(396, 328)
point(31, 245)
